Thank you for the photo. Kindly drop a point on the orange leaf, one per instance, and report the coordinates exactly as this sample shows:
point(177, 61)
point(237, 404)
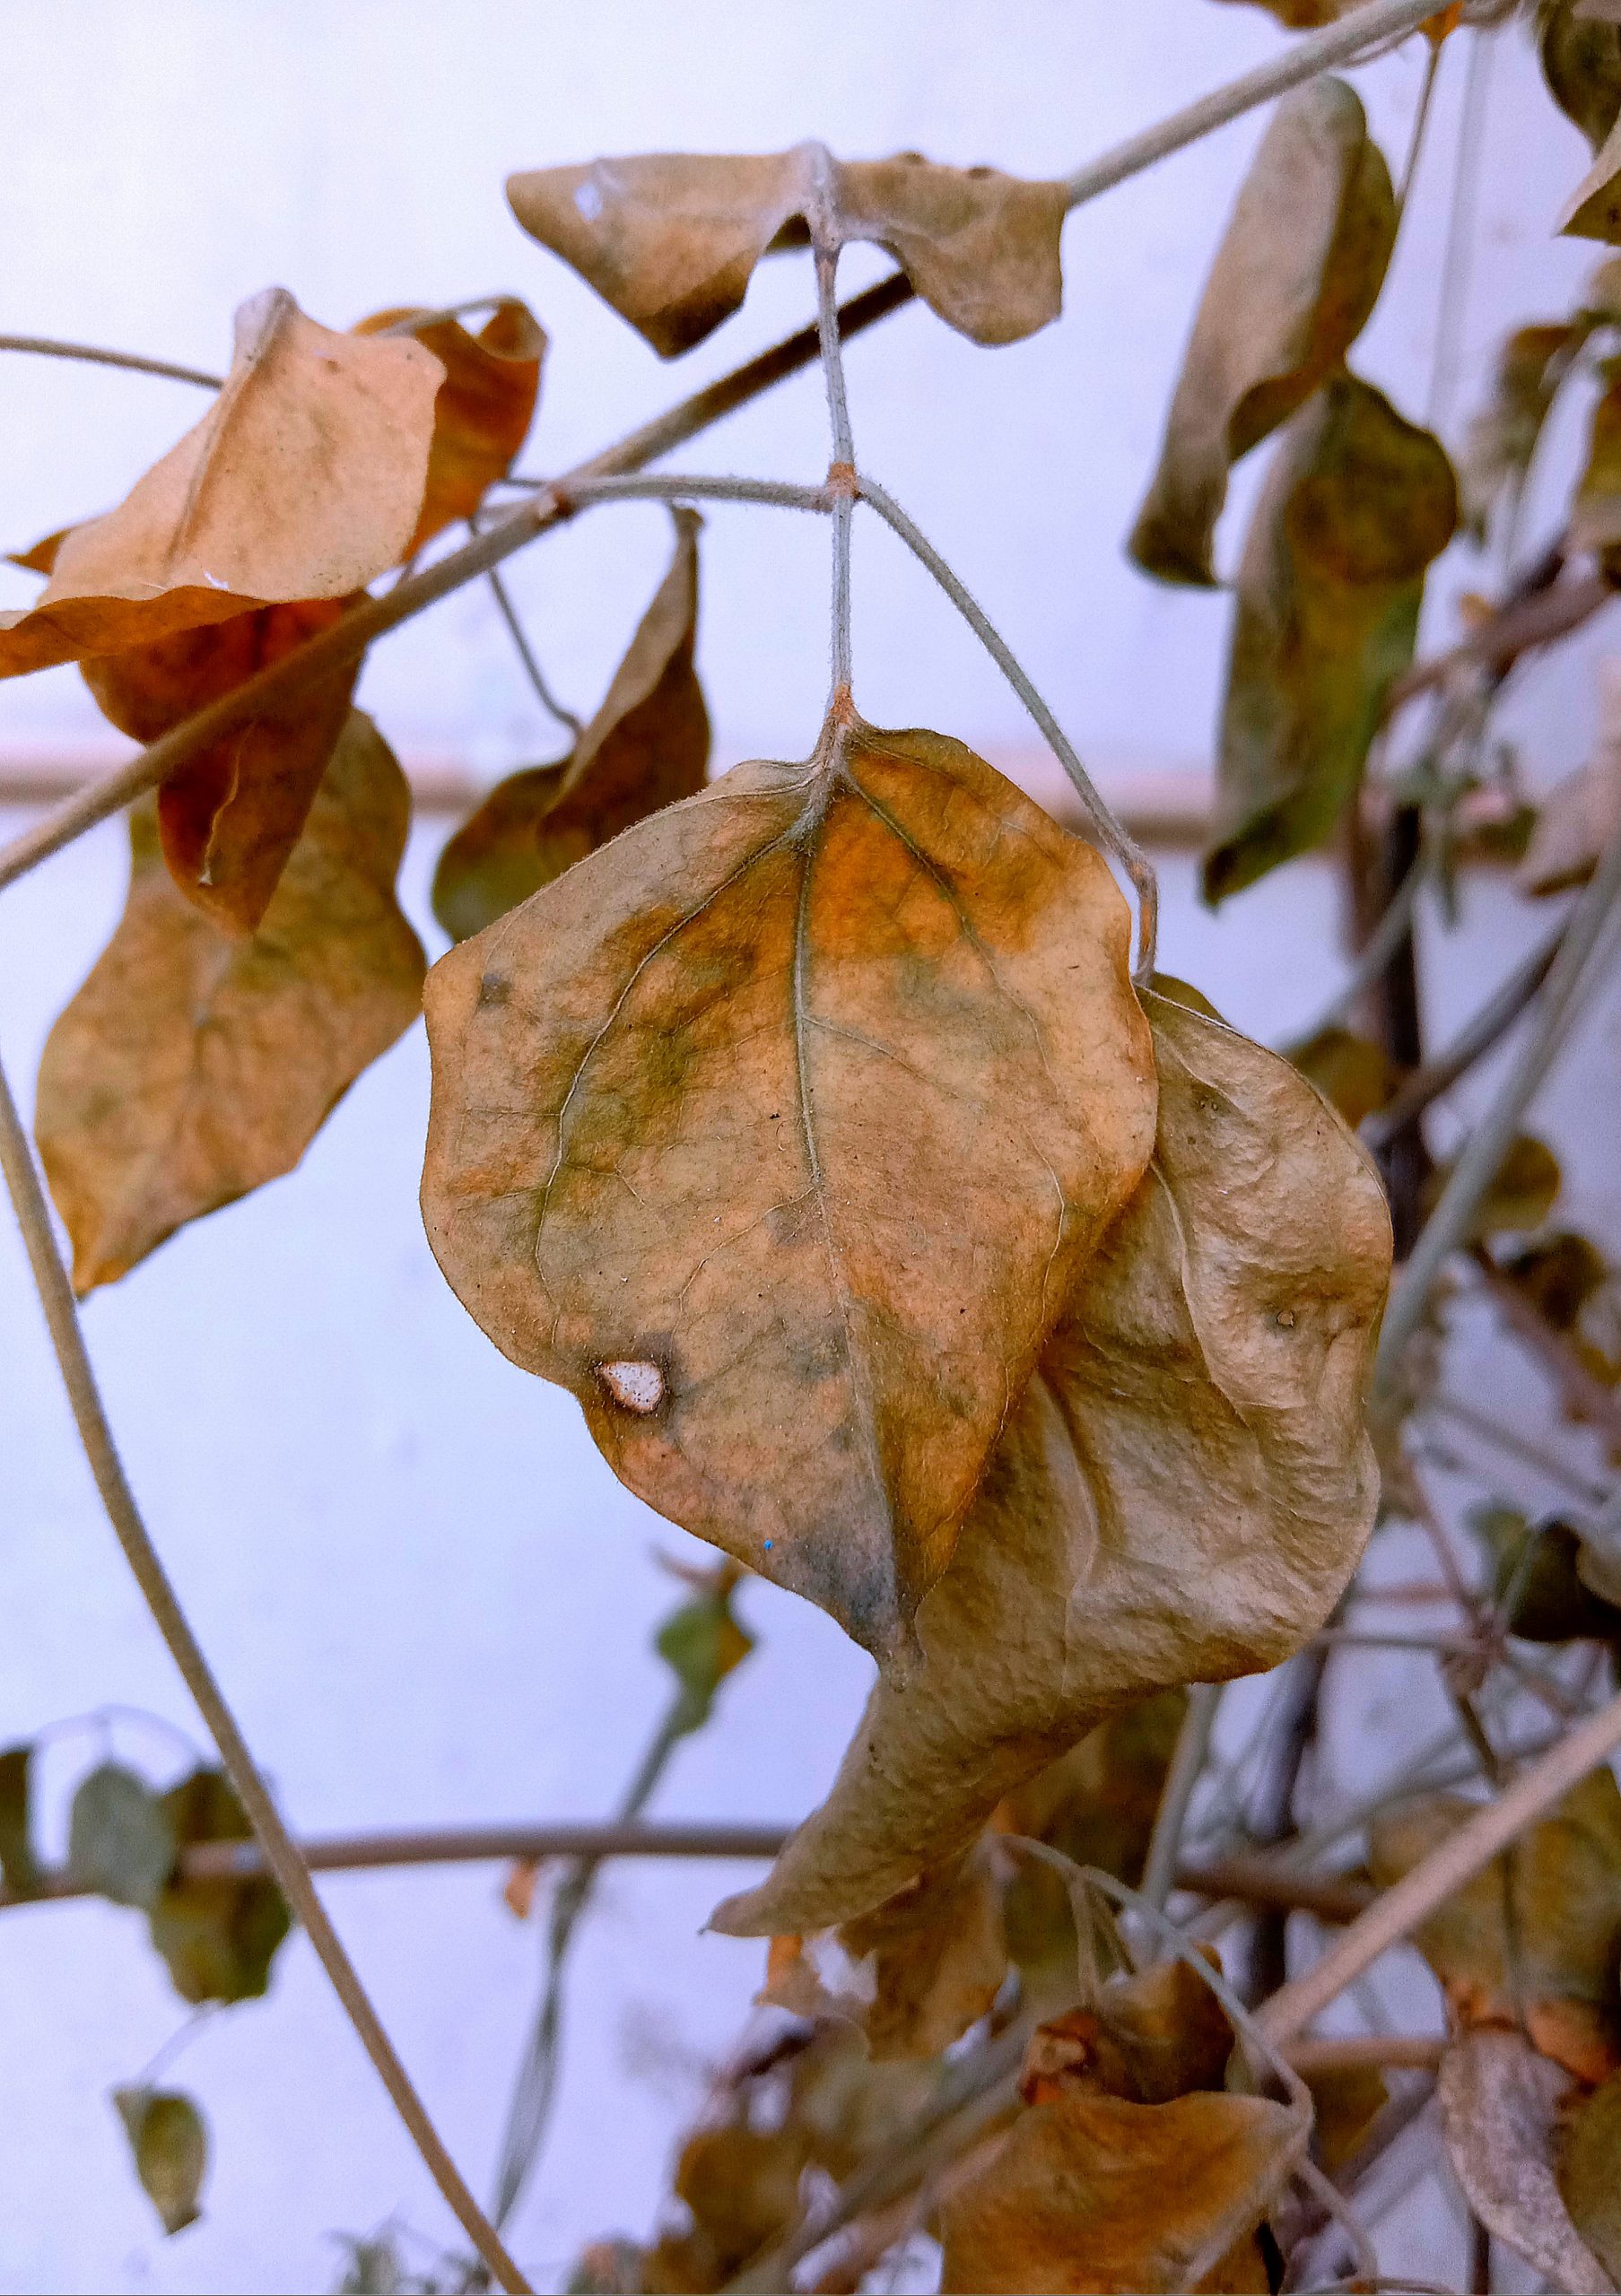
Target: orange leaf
point(484, 407)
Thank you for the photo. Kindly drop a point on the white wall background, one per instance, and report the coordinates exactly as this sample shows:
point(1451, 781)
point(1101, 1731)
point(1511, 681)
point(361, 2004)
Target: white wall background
point(430, 1598)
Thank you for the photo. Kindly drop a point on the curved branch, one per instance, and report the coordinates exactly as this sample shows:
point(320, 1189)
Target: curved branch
point(44, 347)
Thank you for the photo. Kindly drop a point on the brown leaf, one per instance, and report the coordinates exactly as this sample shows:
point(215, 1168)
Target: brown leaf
point(1501, 438)
point(670, 240)
point(1092, 2194)
point(1582, 64)
point(1181, 1495)
point(1523, 1191)
point(1500, 2106)
point(775, 1130)
point(1589, 2174)
point(646, 746)
point(1148, 2037)
point(1352, 1072)
point(1594, 209)
point(1595, 520)
point(1534, 1940)
point(303, 480)
point(1304, 15)
point(229, 819)
point(192, 1067)
point(1580, 816)
point(170, 2145)
point(1346, 2099)
point(484, 407)
point(1293, 281)
point(1354, 508)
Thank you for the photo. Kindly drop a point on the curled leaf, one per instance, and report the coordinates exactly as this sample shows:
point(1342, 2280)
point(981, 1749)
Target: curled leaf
point(1588, 2171)
point(1357, 505)
point(169, 2144)
point(1537, 1568)
point(1293, 281)
point(1500, 2105)
point(1533, 1941)
point(484, 407)
point(19, 1867)
point(303, 480)
point(1154, 2035)
point(646, 746)
point(192, 1067)
point(230, 816)
point(775, 1130)
point(218, 1936)
point(670, 240)
point(1181, 1493)
point(1093, 2194)
point(120, 1838)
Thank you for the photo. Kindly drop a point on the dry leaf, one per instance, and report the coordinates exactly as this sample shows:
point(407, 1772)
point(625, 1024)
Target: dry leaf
point(670, 240)
point(1092, 2194)
point(1148, 2037)
point(776, 1129)
point(1354, 508)
point(191, 1067)
point(1582, 815)
point(1589, 2174)
point(230, 816)
point(1534, 1940)
point(1181, 1495)
point(1595, 519)
point(1594, 209)
point(1352, 1072)
point(646, 746)
point(218, 1937)
point(1305, 15)
point(1501, 438)
point(1500, 2106)
point(1293, 284)
point(1346, 2099)
point(303, 480)
point(484, 407)
point(1582, 64)
point(1523, 1191)
point(170, 2146)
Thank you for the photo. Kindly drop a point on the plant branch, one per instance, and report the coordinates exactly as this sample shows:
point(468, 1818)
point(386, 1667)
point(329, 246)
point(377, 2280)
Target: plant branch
point(1516, 627)
point(280, 1853)
point(1395, 1914)
point(1580, 1386)
point(1111, 832)
point(44, 347)
point(1473, 1041)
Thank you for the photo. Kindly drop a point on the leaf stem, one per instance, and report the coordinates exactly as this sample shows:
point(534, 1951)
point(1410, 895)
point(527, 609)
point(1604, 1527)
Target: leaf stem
point(1110, 831)
point(281, 1852)
point(44, 347)
point(841, 470)
point(574, 727)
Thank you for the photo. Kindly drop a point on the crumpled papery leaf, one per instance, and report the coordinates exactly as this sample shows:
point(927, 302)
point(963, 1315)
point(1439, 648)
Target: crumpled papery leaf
point(304, 480)
point(218, 1937)
point(1582, 64)
point(1533, 1941)
point(914, 1974)
point(1092, 2194)
point(1588, 2169)
point(776, 1129)
point(646, 746)
point(1297, 274)
point(193, 1066)
point(1581, 815)
point(1181, 1495)
point(230, 817)
point(1354, 508)
point(170, 2147)
point(1500, 2108)
point(484, 407)
point(670, 240)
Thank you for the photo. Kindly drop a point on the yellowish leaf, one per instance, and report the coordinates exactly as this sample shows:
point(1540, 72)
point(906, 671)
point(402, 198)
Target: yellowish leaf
point(1588, 2169)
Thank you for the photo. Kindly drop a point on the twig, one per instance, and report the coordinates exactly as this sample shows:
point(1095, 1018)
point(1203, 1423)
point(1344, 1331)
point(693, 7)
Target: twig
point(1396, 2052)
point(1502, 636)
point(44, 347)
point(1515, 1445)
point(1383, 20)
point(1580, 1386)
point(1570, 978)
point(1373, 958)
point(841, 442)
point(1473, 1041)
point(1460, 229)
point(1255, 1881)
point(563, 716)
point(1111, 831)
point(280, 1853)
point(1421, 120)
point(1400, 1910)
point(1182, 1780)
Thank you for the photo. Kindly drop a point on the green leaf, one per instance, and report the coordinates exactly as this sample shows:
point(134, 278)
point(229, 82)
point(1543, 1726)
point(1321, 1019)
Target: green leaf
point(119, 1839)
point(703, 1643)
point(170, 2143)
point(1357, 504)
point(219, 1937)
point(19, 1868)
point(1293, 284)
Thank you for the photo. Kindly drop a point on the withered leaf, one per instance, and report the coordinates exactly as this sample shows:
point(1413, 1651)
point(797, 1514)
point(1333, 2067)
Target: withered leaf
point(170, 2147)
point(1501, 438)
point(1594, 209)
point(646, 746)
point(484, 407)
point(193, 1066)
point(1499, 2104)
point(1355, 507)
point(1523, 1191)
point(1181, 1493)
point(1157, 2034)
point(19, 1866)
point(1533, 1941)
point(1092, 2194)
point(1595, 520)
point(1303, 15)
point(775, 1130)
point(670, 240)
point(1352, 1072)
point(304, 480)
point(1346, 2099)
point(1540, 1566)
point(1293, 281)
point(1582, 64)
point(1582, 815)
point(1588, 2170)
point(218, 1937)
point(230, 817)
point(119, 1839)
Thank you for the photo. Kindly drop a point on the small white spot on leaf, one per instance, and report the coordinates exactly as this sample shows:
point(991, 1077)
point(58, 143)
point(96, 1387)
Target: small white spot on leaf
point(636, 1387)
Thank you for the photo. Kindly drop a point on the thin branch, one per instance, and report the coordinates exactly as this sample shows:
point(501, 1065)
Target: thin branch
point(1373, 958)
point(1394, 2052)
point(1581, 1387)
point(1421, 121)
point(44, 347)
point(1469, 1851)
point(1515, 1445)
point(1455, 263)
point(1571, 976)
point(1515, 628)
point(1110, 831)
point(280, 1853)
point(842, 462)
point(1473, 1041)
point(559, 711)
point(1382, 20)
